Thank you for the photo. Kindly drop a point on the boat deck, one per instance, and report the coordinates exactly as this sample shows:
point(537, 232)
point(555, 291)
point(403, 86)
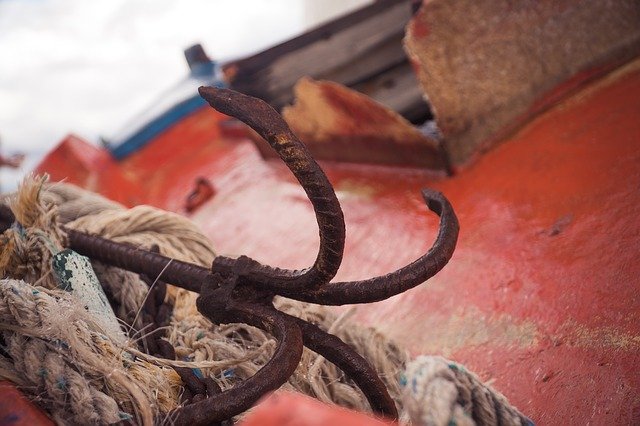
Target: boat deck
point(541, 297)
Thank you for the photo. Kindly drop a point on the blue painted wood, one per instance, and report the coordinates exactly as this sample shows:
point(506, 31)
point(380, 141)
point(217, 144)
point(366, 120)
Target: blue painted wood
point(201, 74)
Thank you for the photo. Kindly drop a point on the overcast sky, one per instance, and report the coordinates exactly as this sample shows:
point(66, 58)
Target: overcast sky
point(86, 66)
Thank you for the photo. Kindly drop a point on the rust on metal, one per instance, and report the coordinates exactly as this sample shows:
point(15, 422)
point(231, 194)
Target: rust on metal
point(241, 290)
point(261, 117)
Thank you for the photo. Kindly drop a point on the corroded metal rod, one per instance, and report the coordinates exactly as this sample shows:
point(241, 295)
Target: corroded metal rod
point(385, 286)
point(155, 265)
point(262, 118)
point(191, 276)
point(134, 259)
point(269, 378)
point(352, 364)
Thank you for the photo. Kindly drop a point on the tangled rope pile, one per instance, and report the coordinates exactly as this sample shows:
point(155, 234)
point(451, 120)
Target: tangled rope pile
point(68, 362)
point(57, 353)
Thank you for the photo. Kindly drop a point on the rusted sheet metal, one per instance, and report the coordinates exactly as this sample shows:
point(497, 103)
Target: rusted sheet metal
point(541, 295)
point(488, 67)
point(339, 124)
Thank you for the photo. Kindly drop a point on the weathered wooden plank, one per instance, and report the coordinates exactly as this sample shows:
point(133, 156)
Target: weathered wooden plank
point(350, 50)
point(396, 89)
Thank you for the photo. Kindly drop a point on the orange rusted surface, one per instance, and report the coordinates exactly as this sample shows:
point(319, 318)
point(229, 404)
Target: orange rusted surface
point(16, 410)
point(292, 409)
point(541, 296)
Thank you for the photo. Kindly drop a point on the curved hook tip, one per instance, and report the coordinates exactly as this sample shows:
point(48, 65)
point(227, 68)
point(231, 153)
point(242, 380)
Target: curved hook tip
point(221, 99)
point(435, 200)
point(253, 111)
point(213, 94)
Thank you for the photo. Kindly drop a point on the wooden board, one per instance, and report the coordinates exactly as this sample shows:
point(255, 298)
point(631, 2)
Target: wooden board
point(351, 50)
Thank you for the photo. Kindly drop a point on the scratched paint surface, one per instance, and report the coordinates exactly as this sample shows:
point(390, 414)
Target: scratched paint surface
point(541, 296)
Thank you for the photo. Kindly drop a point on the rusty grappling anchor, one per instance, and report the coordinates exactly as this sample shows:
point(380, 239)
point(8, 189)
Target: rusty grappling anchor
point(242, 289)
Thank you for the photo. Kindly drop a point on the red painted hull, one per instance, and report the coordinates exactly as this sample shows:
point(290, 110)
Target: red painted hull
point(541, 296)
